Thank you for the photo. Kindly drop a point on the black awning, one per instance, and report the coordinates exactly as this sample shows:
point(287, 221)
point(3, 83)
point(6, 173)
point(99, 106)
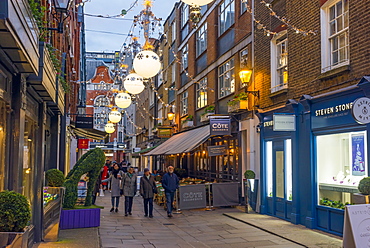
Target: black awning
point(88, 133)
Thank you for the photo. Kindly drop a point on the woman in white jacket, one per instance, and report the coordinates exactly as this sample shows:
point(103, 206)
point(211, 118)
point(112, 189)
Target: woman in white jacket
point(115, 180)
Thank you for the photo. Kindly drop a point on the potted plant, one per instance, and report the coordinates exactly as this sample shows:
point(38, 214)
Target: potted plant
point(88, 215)
point(209, 110)
point(15, 214)
point(364, 188)
point(251, 190)
point(188, 121)
point(53, 199)
point(240, 101)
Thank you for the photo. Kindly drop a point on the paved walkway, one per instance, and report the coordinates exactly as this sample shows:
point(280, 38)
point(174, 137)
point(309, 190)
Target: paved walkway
point(223, 227)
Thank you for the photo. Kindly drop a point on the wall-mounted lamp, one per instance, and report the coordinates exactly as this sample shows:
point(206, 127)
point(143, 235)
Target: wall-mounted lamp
point(61, 8)
point(170, 115)
point(245, 76)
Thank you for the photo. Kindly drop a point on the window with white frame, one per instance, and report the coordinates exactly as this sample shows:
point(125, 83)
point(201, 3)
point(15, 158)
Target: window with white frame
point(173, 67)
point(184, 58)
point(184, 103)
point(226, 15)
point(226, 78)
point(201, 93)
point(173, 28)
point(334, 34)
point(201, 39)
point(184, 14)
point(243, 6)
point(279, 61)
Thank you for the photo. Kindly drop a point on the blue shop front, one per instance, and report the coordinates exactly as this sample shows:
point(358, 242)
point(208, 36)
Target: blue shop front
point(313, 154)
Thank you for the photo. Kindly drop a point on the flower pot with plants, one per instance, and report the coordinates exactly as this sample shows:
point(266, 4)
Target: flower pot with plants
point(238, 103)
point(15, 215)
point(251, 190)
point(188, 122)
point(364, 188)
point(210, 110)
point(88, 215)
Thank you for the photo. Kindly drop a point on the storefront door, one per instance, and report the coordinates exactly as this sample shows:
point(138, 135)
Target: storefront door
point(279, 178)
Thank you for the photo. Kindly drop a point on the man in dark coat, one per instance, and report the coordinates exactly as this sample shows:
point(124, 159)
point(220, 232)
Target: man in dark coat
point(170, 183)
point(147, 190)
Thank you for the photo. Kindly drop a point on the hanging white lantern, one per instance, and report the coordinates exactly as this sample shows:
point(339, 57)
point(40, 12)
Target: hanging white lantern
point(109, 128)
point(146, 64)
point(134, 83)
point(114, 116)
point(197, 2)
point(123, 100)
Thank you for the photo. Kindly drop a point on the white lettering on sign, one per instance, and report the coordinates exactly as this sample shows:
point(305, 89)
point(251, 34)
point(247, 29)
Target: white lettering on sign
point(192, 196)
point(335, 109)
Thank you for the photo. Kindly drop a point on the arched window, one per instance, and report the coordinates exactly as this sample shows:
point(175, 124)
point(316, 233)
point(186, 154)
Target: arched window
point(101, 101)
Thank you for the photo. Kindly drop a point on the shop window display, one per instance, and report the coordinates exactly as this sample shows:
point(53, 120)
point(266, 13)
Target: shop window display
point(2, 143)
point(341, 164)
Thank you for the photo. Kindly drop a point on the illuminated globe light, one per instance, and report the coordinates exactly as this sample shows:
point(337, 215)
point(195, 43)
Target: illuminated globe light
point(146, 64)
point(109, 128)
point(114, 116)
point(197, 2)
point(123, 100)
point(134, 83)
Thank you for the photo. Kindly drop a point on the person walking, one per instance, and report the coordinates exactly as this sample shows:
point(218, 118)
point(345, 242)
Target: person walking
point(170, 183)
point(129, 186)
point(147, 190)
point(115, 182)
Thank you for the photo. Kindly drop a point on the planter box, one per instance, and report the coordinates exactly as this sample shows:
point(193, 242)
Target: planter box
point(15, 239)
point(188, 124)
point(205, 118)
point(359, 198)
point(80, 218)
point(239, 105)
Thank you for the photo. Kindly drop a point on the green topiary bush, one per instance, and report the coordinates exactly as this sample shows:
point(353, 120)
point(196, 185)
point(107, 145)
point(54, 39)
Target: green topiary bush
point(54, 178)
point(364, 186)
point(90, 163)
point(15, 212)
point(249, 174)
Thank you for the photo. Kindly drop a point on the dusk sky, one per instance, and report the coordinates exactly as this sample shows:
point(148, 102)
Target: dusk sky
point(99, 41)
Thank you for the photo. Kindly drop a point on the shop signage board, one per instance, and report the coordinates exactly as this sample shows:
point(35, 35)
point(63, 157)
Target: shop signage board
point(220, 126)
point(84, 122)
point(217, 150)
point(283, 122)
point(361, 110)
point(83, 144)
point(164, 132)
point(193, 196)
point(356, 230)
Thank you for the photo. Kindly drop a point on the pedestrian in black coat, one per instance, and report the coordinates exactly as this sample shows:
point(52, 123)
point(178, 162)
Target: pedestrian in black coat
point(147, 190)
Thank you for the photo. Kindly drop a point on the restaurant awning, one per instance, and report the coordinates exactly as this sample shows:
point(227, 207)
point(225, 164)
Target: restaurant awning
point(88, 133)
point(182, 142)
point(145, 150)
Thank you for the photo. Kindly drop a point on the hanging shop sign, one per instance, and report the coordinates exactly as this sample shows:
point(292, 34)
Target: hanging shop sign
point(83, 144)
point(283, 122)
point(84, 122)
point(217, 150)
point(361, 110)
point(220, 126)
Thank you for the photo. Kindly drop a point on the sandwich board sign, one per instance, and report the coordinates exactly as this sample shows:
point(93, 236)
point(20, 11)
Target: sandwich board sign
point(356, 229)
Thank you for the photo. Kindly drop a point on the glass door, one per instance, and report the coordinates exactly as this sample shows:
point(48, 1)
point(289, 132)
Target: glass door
point(279, 177)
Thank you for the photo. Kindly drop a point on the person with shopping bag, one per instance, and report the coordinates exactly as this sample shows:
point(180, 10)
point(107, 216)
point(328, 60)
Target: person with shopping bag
point(115, 181)
point(129, 186)
point(147, 190)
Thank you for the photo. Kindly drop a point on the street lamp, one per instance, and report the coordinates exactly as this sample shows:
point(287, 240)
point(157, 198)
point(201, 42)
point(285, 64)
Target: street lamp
point(170, 115)
point(245, 77)
point(61, 8)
